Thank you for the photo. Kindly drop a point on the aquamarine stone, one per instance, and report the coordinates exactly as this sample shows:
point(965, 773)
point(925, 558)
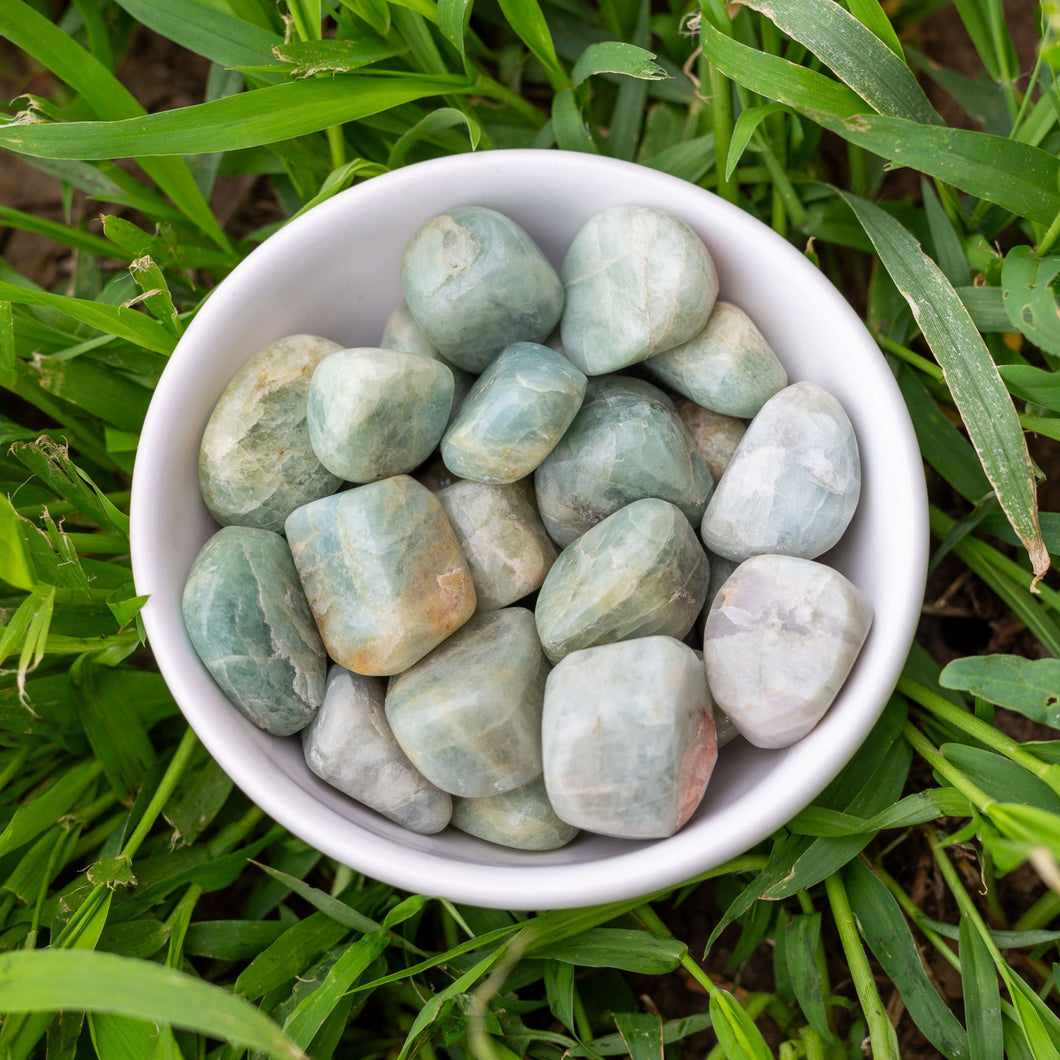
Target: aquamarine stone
point(780, 640)
point(350, 746)
point(249, 622)
point(475, 282)
point(728, 367)
point(793, 483)
point(522, 818)
point(469, 715)
point(256, 462)
point(515, 414)
point(502, 537)
point(383, 573)
point(628, 737)
point(626, 442)
point(714, 434)
point(638, 281)
point(639, 572)
point(374, 413)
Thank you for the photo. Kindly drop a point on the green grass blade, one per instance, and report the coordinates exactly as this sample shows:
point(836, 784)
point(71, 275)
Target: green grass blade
point(617, 57)
point(528, 20)
point(1029, 687)
point(1029, 294)
point(736, 1031)
point(264, 116)
point(58, 980)
point(34, 817)
point(642, 1033)
point(972, 377)
point(856, 55)
point(634, 951)
point(801, 936)
point(871, 14)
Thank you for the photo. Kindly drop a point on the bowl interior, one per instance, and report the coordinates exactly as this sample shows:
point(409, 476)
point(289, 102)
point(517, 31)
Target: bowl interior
point(335, 272)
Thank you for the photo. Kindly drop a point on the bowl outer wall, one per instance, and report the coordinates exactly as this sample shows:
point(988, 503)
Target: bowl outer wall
point(335, 272)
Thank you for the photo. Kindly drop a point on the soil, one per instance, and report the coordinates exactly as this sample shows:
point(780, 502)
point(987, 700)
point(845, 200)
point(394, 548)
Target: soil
point(961, 616)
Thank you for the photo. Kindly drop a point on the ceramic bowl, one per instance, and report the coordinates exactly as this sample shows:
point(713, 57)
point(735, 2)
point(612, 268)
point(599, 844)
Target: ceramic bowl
point(335, 272)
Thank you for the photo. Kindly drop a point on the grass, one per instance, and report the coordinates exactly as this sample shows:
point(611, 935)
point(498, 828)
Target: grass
point(148, 910)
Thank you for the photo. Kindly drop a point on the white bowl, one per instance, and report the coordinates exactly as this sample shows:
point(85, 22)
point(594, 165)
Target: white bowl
point(334, 272)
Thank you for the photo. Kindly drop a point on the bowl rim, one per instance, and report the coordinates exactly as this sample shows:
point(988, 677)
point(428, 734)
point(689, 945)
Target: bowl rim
point(633, 868)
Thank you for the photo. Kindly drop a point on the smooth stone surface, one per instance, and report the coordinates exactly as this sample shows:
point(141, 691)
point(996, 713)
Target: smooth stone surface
point(793, 482)
point(780, 640)
point(350, 746)
point(728, 367)
point(627, 442)
point(383, 573)
point(249, 622)
point(502, 537)
point(256, 462)
point(638, 280)
point(475, 282)
point(628, 737)
point(515, 414)
point(714, 434)
point(374, 413)
point(401, 332)
point(469, 715)
point(639, 572)
point(522, 818)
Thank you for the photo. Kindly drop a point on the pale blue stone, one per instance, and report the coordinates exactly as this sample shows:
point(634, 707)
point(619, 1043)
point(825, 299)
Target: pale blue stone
point(250, 624)
point(780, 640)
point(374, 413)
point(256, 461)
point(715, 435)
point(638, 281)
point(383, 573)
point(793, 483)
point(475, 282)
point(515, 414)
point(628, 737)
point(350, 746)
point(639, 572)
point(502, 537)
point(728, 367)
point(469, 714)
point(522, 818)
point(626, 442)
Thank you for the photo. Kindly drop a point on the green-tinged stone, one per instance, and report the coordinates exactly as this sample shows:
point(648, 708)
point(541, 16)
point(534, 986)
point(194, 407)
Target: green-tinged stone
point(628, 737)
point(383, 573)
point(728, 367)
point(638, 281)
point(374, 413)
point(640, 572)
point(250, 624)
point(475, 282)
point(469, 715)
point(256, 462)
point(627, 442)
point(522, 818)
point(515, 414)
point(349, 744)
point(714, 434)
point(502, 537)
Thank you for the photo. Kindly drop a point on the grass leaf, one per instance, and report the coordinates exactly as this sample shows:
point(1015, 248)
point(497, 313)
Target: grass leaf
point(642, 1033)
point(972, 377)
point(1029, 686)
point(617, 57)
point(736, 1031)
point(1030, 298)
point(982, 999)
point(633, 951)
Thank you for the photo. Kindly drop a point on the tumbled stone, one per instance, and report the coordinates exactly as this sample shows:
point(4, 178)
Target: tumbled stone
point(374, 413)
point(781, 638)
point(793, 482)
point(628, 737)
point(522, 818)
point(350, 746)
point(502, 537)
point(475, 282)
point(626, 442)
point(383, 573)
point(249, 622)
point(256, 462)
point(638, 281)
point(515, 414)
point(728, 367)
point(714, 434)
point(469, 714)
point(639, 572)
